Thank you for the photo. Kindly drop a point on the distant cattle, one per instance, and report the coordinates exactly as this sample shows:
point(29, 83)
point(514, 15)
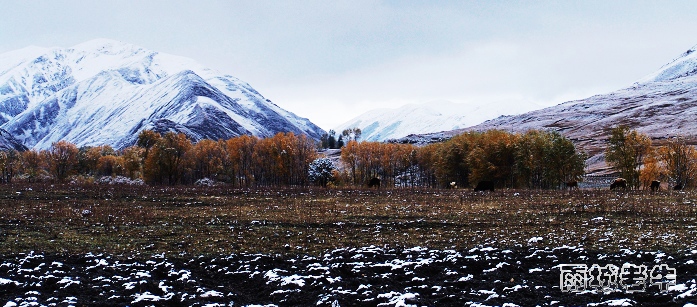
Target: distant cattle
point(374, 182)
point(655, 185)
point(571, 184)
point(453, 185)
point(484, 186)
point(618, 183)
point(678, 186)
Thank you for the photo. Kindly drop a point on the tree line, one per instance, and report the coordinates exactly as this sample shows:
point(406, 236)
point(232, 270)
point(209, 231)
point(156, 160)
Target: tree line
point(329, 140)
point(535, 159)
point(633, 156)
point(172, 159)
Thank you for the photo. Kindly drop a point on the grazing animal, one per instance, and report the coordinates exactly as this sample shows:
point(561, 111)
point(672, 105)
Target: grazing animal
point(453, 185)
point(484, 186)
point(678, 186)
point(571, 184)
point(374, 182)
point(655, 185)
point(618, 183)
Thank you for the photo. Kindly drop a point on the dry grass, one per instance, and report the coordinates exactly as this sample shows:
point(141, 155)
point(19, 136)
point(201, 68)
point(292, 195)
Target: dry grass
point(219, 220)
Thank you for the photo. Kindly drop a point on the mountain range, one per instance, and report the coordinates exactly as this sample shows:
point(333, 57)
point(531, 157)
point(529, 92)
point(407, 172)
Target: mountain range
point(105, 92)
point(661, 105)
point(385, 124)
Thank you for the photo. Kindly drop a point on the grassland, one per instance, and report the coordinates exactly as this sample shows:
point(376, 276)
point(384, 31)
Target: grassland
point(78, 219)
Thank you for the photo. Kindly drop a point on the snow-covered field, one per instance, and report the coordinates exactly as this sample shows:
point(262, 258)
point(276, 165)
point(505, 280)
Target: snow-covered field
point(369, 276)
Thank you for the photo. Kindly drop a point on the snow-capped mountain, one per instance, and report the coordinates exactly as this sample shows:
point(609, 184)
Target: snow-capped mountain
point(662, 105)
point(106, 92)
point(385, 124)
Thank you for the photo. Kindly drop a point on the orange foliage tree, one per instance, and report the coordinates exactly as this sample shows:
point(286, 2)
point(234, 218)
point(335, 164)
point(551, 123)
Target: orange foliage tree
point(62, 159)
point(238, 160)
point(165, 162)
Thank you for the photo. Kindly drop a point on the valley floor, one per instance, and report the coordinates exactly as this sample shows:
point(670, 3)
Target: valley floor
point(123, 245)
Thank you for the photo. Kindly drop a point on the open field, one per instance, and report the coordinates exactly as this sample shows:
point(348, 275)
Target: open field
point(218, 220)
point(67, 245)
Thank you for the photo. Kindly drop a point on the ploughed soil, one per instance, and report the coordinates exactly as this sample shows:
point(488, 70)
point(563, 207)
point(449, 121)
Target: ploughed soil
point(370, 276)
point(78, 245)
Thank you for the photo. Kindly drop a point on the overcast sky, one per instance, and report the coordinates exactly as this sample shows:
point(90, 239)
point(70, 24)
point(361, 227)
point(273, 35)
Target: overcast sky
point(332, 60)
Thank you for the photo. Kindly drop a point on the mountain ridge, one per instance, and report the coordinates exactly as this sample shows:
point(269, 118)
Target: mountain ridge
point(663, 104)
point(104, 91)
point(393, 123)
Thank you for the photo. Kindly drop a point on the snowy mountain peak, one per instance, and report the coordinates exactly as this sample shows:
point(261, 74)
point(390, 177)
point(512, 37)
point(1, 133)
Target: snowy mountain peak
point(106, 46)
point(681, 67)
point(106, 91)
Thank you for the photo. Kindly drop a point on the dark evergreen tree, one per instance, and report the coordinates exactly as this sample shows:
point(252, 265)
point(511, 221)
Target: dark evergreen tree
point(331, 142)
point(340, 142)
point(324, 141)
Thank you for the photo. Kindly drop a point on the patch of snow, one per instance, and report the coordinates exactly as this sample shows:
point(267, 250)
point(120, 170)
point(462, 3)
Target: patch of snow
point(535, 239)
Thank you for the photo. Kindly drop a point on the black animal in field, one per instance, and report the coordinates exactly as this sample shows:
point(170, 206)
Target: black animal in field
point(374, 182)
point(655, 185)
point(571, 184)
point(484, 186)
point(618, 183)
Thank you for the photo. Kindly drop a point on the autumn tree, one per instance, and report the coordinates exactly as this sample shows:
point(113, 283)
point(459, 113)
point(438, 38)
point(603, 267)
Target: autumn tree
point(536, 159)
point(133, 157)
point(626, 151)
point(283, 159)
point(110, 165)
point(394, 164)
point(563, 162)
point(32, 164)
point(147, 139)
point(451, 159)
point(531, 166)
point(239, 160)
point(652, 168)
point(207, 156)
point(88, 158)
point(165, 162)
point(349, 156)
point(62, 159)
point(426, 165)
point(680, 161)
point(492, 158)
point(10, 163)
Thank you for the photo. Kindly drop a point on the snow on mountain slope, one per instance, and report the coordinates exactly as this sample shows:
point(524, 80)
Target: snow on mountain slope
point(384, 124)
point(662, 105)
point(683, 66)
point(106, 92)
